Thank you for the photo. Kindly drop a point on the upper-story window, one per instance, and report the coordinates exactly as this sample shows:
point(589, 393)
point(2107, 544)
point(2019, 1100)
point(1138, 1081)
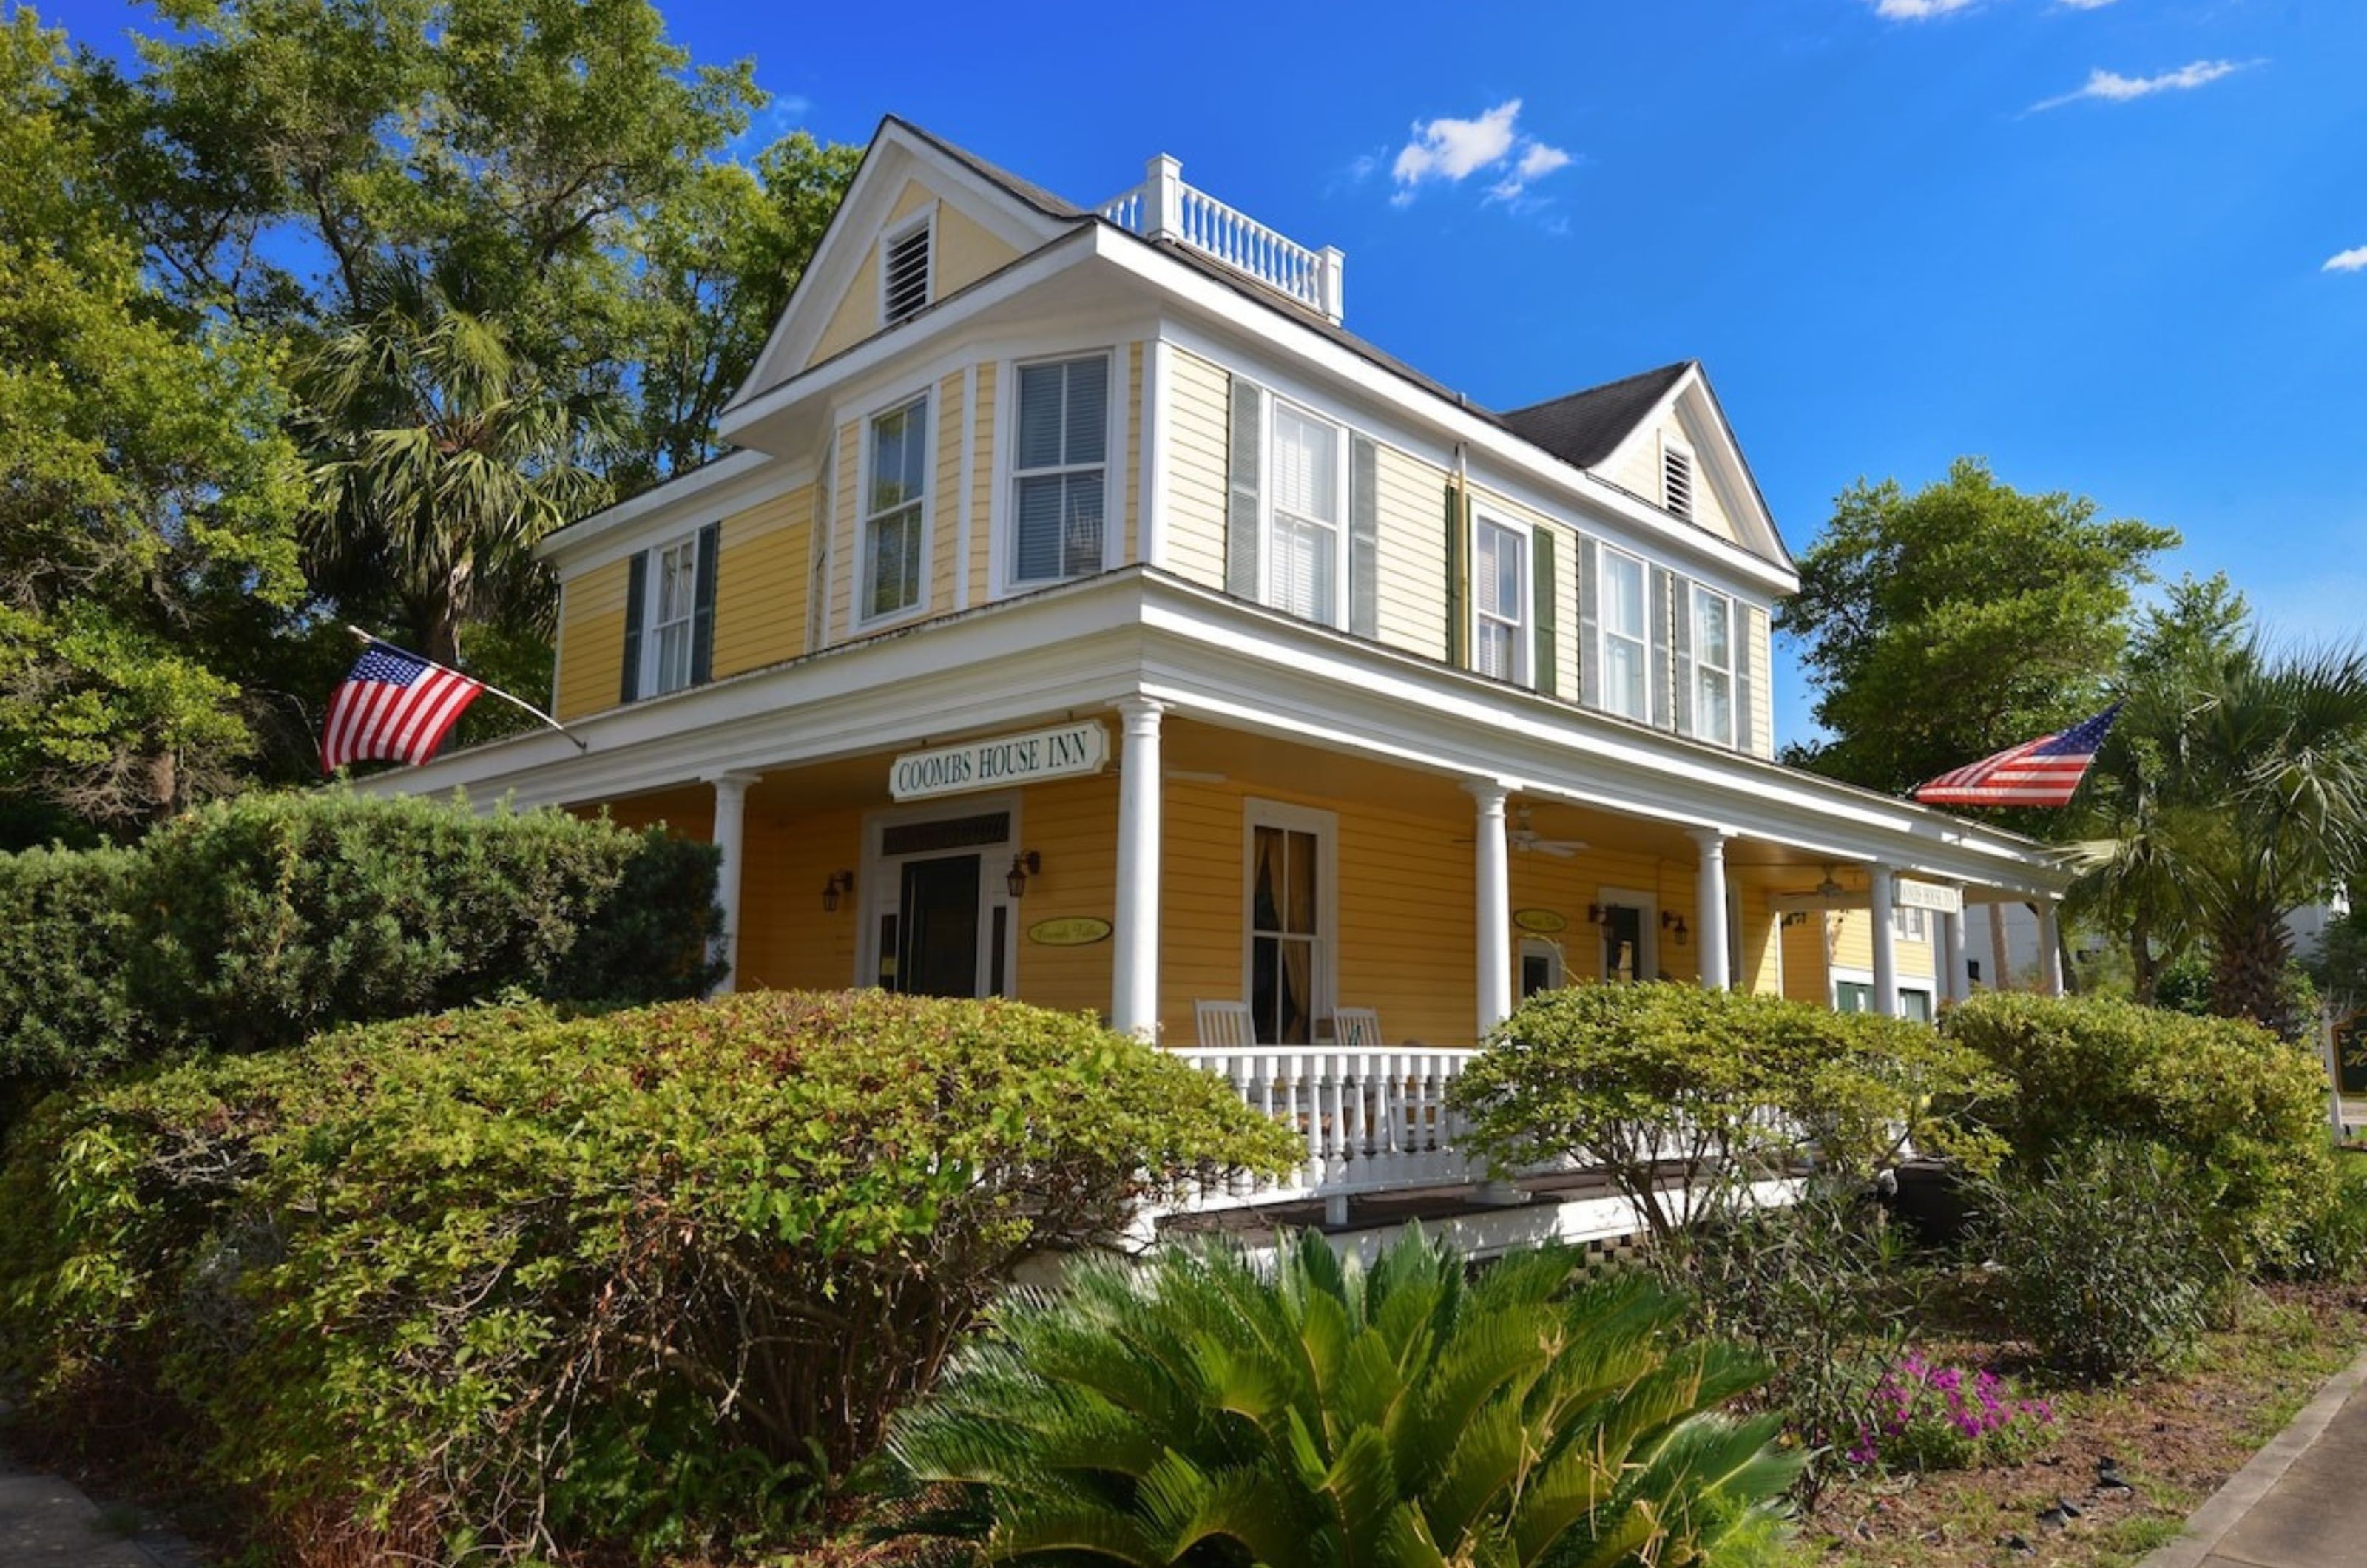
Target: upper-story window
point(1499, 600)
point(1713, 654)
point(1305, 538)
point(905, 258)
point(1910, 924)
point(673, 600)
point(1061, 471)
point(1627, 634)
point(1676, 478)
point(895, 511)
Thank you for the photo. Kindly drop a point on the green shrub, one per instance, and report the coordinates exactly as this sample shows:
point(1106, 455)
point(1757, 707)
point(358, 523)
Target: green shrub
point(2331, 1242)
point(637, 1279)
point(2241, 1111)
point(1197, 1409)
point(1721, 1086)
point(64, 945)
point(2109, 1265)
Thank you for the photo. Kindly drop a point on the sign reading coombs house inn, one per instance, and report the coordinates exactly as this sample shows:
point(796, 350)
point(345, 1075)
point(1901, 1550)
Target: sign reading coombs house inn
point(1910, 894)
point(1064, 751)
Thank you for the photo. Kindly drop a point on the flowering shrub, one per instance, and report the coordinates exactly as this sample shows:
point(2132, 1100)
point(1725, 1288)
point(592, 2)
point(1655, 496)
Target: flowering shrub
point(1924, 1416)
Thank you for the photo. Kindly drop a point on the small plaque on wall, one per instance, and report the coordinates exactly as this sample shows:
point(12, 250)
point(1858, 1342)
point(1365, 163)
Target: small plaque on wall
point(1069, 931)
point(1542, 922)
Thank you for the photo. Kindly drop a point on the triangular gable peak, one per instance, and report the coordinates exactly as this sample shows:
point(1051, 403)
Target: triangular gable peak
point(907, 180)
point(1688, 430)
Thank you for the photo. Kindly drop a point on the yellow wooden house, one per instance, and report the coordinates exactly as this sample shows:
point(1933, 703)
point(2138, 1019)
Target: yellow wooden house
point(1082, 613)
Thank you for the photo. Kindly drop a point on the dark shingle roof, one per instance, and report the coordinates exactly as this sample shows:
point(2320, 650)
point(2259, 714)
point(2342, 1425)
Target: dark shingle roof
point(1586, 427)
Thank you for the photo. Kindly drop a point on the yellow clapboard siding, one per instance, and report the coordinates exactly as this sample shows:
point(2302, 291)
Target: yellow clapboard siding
point(760, 583)
point(1807, 975)
point(964, 252)
point(981, 495)
point(1411, 510)
point(787, 941)
point(1198, 397)
point(967, 251)
point(591, 639)
point(845, 543)
point(1074, 827)
point(1853, 946)
point(857, 315)
point(1762, 686)
point(1131, 550)
point(944, 492)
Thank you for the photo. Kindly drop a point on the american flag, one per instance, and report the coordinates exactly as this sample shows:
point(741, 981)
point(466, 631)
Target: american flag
point(2044, 772)
point(395, 705)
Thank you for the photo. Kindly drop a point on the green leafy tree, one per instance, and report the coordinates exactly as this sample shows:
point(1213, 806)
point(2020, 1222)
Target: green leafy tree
point(147, 495)
point(1939, 626)
point(1194, 1411)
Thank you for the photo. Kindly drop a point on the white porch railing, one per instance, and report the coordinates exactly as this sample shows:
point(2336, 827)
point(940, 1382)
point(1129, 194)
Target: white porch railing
point(1164, 207)
point(1372, 1120)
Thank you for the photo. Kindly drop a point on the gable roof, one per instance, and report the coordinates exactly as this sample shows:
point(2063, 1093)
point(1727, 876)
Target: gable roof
point(1585, 427)
point(1034, 195)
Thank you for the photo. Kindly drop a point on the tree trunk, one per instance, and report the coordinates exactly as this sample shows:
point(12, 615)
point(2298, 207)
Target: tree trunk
point(2248, 974)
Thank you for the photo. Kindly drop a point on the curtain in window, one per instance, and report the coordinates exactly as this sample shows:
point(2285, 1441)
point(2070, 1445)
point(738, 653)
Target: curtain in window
point(1283, 905)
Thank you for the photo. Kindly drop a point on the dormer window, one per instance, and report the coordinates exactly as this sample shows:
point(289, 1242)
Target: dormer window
point(1677, 480)
point(904, 271)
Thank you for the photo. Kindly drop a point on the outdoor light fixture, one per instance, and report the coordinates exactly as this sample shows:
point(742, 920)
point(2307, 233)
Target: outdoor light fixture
point(1024, 865)
point(840, 882)
point(1594, 914)
point(1677, 924)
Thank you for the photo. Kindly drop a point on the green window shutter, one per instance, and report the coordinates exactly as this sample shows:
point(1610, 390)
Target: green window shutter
point(1458, 576)
point(1541, 596)
point(702, 612)
point(1681, 619)
point(1363, 537)
point(1658, 584)
point(1589, 623)
point(1244, 498)
point(636, 594)
point(1739, 629)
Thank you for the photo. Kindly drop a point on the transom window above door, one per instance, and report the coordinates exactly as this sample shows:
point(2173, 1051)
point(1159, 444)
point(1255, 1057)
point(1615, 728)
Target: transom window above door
point(1304, 534)
point(1059, 470)
point(895, 507)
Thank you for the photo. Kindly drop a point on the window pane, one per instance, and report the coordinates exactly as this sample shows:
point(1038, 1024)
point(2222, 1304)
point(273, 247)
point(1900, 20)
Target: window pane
point(1303, 563)
point(893, 572)
point(1714, 707)
point(1712, 641)
point(1623, 596)
point(1306, 480)
point(1080, 525)
point(1266, 880)
point(889, 437)
point(915, 452)
point(1622, 686)
point(1040, 389)
point(1300, 868)
point(1040, 507)
point(1088, 416)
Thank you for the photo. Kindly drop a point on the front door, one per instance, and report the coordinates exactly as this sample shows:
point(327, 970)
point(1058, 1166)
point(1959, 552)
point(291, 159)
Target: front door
point(936, 935)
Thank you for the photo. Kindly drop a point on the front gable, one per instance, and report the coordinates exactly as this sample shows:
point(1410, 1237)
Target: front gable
point(1725, 500)
point(976, 227)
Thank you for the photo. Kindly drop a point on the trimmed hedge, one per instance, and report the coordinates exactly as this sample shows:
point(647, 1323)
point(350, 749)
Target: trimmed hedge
point(2239, 1108)
point(256, 922)
point(531, 1284)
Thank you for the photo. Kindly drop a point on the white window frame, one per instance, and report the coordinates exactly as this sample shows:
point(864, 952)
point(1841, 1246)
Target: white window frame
point(1524, 627)
point(1002, 570)
point(1605, 553)
point(880, 884)
point(925, 219)
point(865, 618)
point(1695, 594)
point(1325, 826)
point(1546, 949)
point(1908, 985)
point(654, 631)
point(1648, 926)
point(1910, 924)
point(1672, 447)
point(1341, 526)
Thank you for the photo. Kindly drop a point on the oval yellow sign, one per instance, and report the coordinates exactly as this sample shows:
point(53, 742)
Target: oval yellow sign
point(1069, 931)
point(1544, 922)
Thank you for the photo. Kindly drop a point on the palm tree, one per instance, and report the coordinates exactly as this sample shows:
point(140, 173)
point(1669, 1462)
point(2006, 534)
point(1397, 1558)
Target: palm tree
point(441, 455)
point(1195, 1410)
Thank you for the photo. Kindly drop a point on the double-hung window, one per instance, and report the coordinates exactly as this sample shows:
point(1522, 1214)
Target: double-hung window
point(1627, 632)
point(895, 509)
point(1910, 924)
point(1059, 476)
point(1289, 975)
point(1499, 600)
point(674, 602)
point(1303, 562)
point(1713, 651)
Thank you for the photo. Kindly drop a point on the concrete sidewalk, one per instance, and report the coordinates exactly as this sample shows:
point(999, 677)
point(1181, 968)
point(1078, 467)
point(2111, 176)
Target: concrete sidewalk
point(2301, 1503)
point(46, 1522)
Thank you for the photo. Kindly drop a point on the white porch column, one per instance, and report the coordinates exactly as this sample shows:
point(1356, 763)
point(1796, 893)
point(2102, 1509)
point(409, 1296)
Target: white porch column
point(1952, 956)
point(730, 837)
point(1709, 913)
point(1885, 947)
point(2050, 948)
point(1134, 978)
point(1493, 864)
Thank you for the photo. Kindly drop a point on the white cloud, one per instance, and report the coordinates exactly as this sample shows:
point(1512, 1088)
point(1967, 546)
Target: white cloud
point(2352, 260)
point(2085, 5)
point(1454, 149)
point(2112, 87)
point(1922, 10)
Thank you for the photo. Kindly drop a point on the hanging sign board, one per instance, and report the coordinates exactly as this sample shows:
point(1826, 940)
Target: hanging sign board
point(1069, 931)
point(1064, 751)
point(1544, 922)
point(1910, 894)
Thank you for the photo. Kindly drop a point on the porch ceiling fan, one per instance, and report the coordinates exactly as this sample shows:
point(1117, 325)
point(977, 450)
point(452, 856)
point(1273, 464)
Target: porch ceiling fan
point(1524, 838)
point(1828, 891)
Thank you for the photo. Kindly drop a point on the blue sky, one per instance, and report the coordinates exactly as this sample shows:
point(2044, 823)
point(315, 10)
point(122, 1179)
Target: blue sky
point(2093, 240)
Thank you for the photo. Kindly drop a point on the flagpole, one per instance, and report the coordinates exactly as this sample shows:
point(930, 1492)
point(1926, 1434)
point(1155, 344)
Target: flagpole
point(519, 703)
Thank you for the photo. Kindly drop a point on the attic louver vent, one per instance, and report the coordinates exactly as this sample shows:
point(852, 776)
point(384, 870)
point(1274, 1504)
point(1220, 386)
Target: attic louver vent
point(1677, 481)
point(904, 276)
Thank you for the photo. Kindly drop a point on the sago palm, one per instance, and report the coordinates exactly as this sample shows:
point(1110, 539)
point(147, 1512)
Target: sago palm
point(1198, 1410)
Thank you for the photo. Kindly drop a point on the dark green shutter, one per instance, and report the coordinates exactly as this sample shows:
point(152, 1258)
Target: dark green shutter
point(1657, 587)
point(1589, 624)
point(1541, 596)
point(1363, 537)
point(702, 609)
point(636, 594)
point(1458, 576)
point(1244, 500)
point(1681, 647)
